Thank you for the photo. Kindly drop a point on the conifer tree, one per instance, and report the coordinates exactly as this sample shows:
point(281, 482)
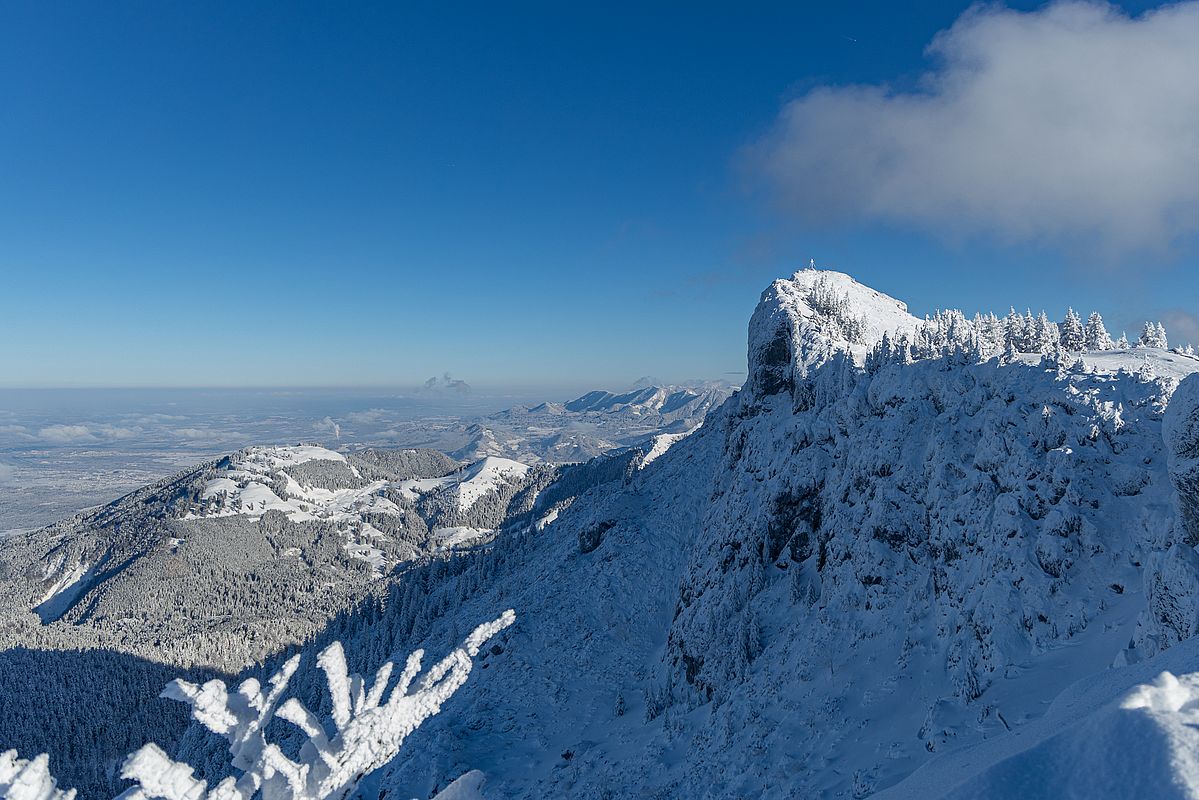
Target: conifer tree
point(1097, 337)
point(1073, 335)
point(1047, 336)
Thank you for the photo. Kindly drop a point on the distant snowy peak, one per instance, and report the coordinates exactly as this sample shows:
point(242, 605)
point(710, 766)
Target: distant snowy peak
point(593, 424)
point(486, 476)
point(803, 321)
point(665, 401)
point(465, 488)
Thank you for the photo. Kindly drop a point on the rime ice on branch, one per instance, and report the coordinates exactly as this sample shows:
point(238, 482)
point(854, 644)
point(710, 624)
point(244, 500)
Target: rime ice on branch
point(29, 780)
point(370, 725)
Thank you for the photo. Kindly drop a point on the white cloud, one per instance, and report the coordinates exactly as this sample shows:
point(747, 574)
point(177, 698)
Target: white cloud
point(1182, 327)
point(72, 434)
point(194, 433)
point(1072, 124)
point(367, 417)
point(67, 433)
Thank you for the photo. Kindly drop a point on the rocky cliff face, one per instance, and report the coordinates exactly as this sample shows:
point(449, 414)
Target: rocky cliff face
point(887, 556)
point(845, 574)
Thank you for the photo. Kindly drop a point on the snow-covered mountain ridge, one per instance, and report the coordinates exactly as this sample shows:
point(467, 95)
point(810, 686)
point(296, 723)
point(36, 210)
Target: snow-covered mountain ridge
point(315, 525)
point(800, 322)
point(845, 574)
point(896, 546)
point(591, 425)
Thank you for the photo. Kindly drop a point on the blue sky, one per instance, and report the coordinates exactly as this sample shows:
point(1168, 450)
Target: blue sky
point(231, 194)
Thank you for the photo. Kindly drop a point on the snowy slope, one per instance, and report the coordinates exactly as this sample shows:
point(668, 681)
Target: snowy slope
point(1128, 732)
point(256, 480)
point(858, 575)
point(593, 424)
point(841, 577)
point(316, 526)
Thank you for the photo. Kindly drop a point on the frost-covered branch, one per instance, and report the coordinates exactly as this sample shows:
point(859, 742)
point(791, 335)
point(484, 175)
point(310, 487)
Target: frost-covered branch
point(369, 724)
point(367, 729)
point(29, 780)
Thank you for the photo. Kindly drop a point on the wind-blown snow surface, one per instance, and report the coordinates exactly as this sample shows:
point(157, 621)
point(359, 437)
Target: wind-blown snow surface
point(842, 576)
point(1098, 739)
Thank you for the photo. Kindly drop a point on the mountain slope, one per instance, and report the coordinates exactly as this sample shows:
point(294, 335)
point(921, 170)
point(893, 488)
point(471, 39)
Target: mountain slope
point(224, 564)
point(591, 425)
point(860, 567)
point(843, 575)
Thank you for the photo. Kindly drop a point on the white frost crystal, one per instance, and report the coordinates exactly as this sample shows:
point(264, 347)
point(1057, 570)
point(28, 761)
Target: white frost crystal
point(368, 731)
point(29, 780)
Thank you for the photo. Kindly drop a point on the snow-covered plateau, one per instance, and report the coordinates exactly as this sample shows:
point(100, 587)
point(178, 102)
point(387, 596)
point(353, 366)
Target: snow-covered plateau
point(911, 558)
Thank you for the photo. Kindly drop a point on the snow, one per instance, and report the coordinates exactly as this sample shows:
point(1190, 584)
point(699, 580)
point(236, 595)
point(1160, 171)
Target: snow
point(66, 581)
point(547, 520)
point(466, 787)
point(814, 332)
point(63, 593)
point(486, 476)
point(1160, 363)
point(661, 443)
point(22, 779)
point(247, 487)
point(459, 537)
point(949, 578)
point(468, 486)
point(257, 480)
point(274, 458)
point(843, 578)
point(1128, 732)
point(369, 727)
point(360, 543)
point(413, 488)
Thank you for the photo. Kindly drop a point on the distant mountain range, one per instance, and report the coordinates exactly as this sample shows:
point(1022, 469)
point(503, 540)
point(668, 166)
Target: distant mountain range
point(591, 425)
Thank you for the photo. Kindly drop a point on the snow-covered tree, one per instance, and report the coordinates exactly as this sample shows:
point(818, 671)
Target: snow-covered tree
point(1046, 336)
point(1029, 328)
point(369, 726)
point(1148, 336)
point(1122, 342)
point(1097, 337)
point(1013, 331)
point(1153, 335)
point(1073, 335)
point(989, 329)
point(825, 298)
point(1010, 354)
